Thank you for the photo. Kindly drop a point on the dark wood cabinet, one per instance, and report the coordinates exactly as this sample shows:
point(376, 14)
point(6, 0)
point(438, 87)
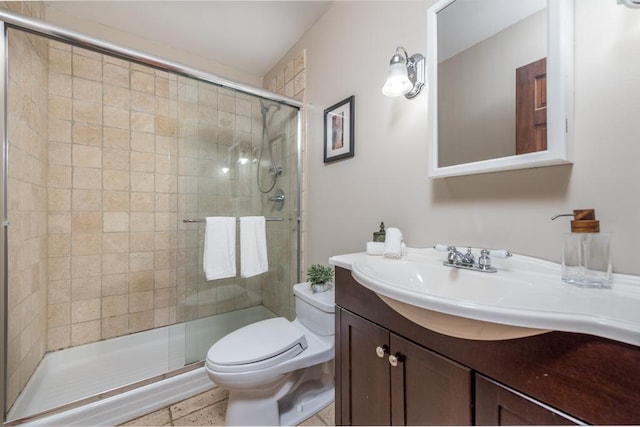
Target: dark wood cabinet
point(549, 379)
point(388, 380)
point(496, 405)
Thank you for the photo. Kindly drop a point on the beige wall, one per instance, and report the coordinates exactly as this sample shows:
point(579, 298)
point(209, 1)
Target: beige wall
point(347, 54)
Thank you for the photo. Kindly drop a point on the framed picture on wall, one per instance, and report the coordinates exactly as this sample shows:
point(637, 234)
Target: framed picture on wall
point(339, 130)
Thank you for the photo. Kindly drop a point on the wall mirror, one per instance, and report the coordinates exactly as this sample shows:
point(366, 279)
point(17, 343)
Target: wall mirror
point(500, 76)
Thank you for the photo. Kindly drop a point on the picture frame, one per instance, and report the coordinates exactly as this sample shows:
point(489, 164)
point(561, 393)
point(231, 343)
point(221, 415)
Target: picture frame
point(339, 126)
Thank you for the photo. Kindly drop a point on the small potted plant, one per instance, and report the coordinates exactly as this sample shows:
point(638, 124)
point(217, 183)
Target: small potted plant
point(319, 277)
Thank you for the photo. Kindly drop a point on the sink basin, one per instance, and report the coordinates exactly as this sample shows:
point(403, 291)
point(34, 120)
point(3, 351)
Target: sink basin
point(525, 297)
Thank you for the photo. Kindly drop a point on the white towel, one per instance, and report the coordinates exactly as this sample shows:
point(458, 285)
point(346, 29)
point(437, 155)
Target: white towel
point(375, 248)
point(219, 258)
point(393, 243)
point(253, 246)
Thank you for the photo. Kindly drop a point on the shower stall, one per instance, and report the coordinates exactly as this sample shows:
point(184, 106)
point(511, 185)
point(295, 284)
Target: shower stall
point(111, 161)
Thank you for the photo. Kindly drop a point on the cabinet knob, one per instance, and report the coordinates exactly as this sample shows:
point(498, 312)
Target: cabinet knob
point(382, 350)
point(394, 359)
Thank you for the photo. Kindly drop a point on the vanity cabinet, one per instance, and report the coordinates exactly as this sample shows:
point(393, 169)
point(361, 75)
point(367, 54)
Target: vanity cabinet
point(548, 379)
point(392, 381)
point(497, 405)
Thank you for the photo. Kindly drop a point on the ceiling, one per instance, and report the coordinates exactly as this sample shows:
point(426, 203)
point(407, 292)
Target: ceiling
point(250, 36)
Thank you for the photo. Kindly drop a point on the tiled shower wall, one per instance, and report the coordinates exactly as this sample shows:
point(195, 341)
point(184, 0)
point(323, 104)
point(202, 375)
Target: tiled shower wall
point(112, 197)
point(290, 80)
point(106, 158)
point(27, 203)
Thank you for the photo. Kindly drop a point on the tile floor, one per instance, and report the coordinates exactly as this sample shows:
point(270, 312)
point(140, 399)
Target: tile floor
point(208, 409)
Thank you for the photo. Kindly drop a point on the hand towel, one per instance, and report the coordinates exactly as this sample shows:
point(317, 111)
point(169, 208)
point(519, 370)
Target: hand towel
point(393, 243)
point(253, 246)
point(219, 257)
point(375, 248)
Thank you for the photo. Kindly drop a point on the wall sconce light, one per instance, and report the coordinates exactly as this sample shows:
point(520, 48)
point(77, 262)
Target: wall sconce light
point(406, 74)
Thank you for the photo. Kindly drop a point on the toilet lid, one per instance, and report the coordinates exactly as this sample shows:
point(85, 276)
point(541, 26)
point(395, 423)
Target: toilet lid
point(260, 345)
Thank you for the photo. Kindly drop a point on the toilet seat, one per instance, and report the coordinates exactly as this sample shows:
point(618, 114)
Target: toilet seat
point(257, 346)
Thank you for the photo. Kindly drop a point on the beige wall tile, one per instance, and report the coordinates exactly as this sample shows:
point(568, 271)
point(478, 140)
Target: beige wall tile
point(116, 96)
point(115, 200)
point(116, 180)
point(85, 266)
point(87, 112)
point(86, 200)
point(87, 178)
point(59, 199)
point(140, 261)
point(140, 301)
point(86, 222)
point(115, 243)
point(115, 284)
point(59, 245)
point(116, 117)
point(116, 75)
point(86, 244)
point(88, 134)
point(85, 288)
point(83, 333)
point(142, 81)
point(115, 326)
point(142, 181)
point(140, 321)
point(142, 202)
point(87, 156)
point(116, 159)
point(88, 68)
point(140, 281)
point(59, 153)
point(84, 311)
point(116, 138)
point(87, 90)
point(115, 305)
point(115, 263)
point(142, 241)
point(115, 221)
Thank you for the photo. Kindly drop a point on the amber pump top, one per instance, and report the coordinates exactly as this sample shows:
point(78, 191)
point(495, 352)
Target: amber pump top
point(584, 221)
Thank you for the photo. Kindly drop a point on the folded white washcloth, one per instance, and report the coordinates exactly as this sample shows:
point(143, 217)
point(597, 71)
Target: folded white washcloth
point(375, 248)
point(253, 246)
point(219, 257)
point(393, 243)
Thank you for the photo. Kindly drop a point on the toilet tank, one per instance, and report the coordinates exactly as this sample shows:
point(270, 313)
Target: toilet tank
point(315, 310)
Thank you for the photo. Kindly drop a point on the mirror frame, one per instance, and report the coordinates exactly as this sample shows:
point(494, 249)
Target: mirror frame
point(559, 97)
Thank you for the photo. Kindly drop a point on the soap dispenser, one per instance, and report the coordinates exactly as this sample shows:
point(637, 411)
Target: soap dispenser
point(379, 236)
point(586, 253)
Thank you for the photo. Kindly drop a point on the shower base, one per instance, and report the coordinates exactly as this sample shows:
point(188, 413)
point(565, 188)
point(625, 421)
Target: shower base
point(95, 384)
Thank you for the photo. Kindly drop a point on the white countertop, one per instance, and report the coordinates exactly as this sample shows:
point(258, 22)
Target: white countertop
point(525, 292)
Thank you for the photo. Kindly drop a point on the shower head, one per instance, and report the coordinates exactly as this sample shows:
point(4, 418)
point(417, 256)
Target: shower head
point(266, 106)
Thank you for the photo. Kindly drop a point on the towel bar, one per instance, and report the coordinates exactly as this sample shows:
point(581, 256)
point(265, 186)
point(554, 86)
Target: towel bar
point(237, 219)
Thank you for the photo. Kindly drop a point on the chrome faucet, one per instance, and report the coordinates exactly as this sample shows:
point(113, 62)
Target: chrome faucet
point(457, 259)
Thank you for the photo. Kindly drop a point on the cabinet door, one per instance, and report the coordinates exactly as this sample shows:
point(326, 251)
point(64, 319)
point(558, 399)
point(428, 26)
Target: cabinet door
point(364, 376)
point(428, 389)
point(498, 405)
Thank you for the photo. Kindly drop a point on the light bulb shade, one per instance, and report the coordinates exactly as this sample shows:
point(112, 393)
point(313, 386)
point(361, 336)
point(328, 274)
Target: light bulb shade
point(398, 82)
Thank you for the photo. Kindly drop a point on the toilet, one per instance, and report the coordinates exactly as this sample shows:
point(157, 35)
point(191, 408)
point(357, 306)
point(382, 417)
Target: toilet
point(279, 372)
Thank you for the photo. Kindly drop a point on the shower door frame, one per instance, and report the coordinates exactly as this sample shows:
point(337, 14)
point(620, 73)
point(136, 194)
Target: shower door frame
point(19, 22)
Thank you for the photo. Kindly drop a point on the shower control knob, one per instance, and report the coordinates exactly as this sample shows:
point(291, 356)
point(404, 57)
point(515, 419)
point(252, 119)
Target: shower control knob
point(382, 350)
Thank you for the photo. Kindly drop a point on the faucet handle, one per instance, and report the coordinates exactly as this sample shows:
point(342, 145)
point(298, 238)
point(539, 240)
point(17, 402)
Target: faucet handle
point(441, 248)
point(499, 253)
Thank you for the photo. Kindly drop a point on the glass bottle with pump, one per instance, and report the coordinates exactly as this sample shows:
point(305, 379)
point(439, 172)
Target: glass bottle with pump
point(586, 253)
